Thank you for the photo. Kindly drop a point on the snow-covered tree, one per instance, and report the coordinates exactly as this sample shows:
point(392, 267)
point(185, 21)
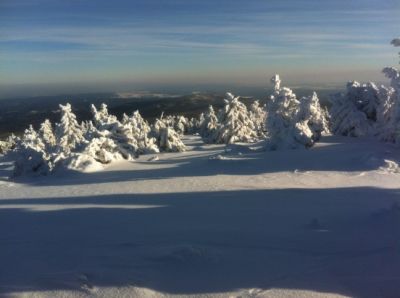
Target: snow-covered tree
point(47, 135)
point(193, 126)
point(258, 115)
point(282, 109)
point(310, 111)
point(235, 123)
point(89, 130)
point(167, 138)
point(209, 125)
point(292, 123)
point(354, 112)
point(181, 124)
point(389, 113)
point(140, 130)
point(8, 144)
point(102, 117)
point(68, 132)
point(108, 126)
point(103, 150)
point(30, 155)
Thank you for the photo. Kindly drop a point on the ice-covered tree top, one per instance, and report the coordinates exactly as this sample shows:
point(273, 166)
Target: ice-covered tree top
point(277, 82)
point(68, 132)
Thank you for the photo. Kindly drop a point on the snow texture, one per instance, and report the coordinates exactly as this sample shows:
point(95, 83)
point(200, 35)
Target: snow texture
point(299, 223)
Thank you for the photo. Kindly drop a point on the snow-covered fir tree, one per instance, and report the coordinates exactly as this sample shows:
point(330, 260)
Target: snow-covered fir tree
point(103, 150)
point(8, 144)
point(167, 138)
point(258, 115)
point(102, 117)
point(310, 111)
point(89, 130)
point(235, 123)
point(181, 124)
point(31, 156)
point(46, 133)
point(108, 126)
point(140, 130)
point(193, 125)
point(209, 125)
point(289, 122)
point(389, 113)
point(69, 133)
point(355, 112)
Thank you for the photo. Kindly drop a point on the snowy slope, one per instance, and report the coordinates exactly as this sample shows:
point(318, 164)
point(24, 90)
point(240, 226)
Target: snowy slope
point(209, 222)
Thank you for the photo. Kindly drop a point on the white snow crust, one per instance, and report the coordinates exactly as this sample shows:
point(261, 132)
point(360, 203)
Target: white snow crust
point(212, 221)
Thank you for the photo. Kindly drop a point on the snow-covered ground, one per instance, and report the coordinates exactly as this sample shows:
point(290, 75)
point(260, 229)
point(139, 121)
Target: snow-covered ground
point(209, 222)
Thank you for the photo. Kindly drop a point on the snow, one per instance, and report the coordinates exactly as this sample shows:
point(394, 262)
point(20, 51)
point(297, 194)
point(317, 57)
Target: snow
point(212, 221)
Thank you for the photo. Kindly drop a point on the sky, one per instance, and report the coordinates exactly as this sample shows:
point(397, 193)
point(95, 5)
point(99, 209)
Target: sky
point(104, 44)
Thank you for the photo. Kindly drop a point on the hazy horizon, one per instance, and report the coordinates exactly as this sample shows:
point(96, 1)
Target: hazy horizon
point(51, 46)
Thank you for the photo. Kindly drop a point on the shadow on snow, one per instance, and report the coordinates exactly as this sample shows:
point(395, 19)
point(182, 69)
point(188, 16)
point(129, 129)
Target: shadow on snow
point(342, 240)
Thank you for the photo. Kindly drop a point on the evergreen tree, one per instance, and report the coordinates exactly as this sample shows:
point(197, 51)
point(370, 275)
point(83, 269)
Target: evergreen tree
point(69, 133)
point(258, 115)
point(167, 138)
point(235, 123)
point(209, 125)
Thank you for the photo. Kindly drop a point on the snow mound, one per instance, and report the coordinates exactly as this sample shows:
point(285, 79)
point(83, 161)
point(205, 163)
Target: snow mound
point(390, 166)
point(82, 163)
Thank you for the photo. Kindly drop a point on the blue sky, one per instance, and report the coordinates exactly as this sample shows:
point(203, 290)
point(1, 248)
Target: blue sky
point(184, 42)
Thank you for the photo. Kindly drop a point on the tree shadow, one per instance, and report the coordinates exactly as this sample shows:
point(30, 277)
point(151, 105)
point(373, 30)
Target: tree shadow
point(342, 154)
point(342, 240)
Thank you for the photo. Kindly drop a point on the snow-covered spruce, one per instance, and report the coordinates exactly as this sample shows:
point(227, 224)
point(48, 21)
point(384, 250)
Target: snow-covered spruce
point(140, 129)
point(166, 137)
point(122, 135)
point(208, 125)
point(30, 156)
point(258, 115)
point(69, 133)
point(8, 144)
point(47, 136)
point(354, 113)
point(97, 151)
point(193, 125)
point(311, 113)
point(292, 123)
point(181, 124)
point(235, 124)
point(389, 111)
